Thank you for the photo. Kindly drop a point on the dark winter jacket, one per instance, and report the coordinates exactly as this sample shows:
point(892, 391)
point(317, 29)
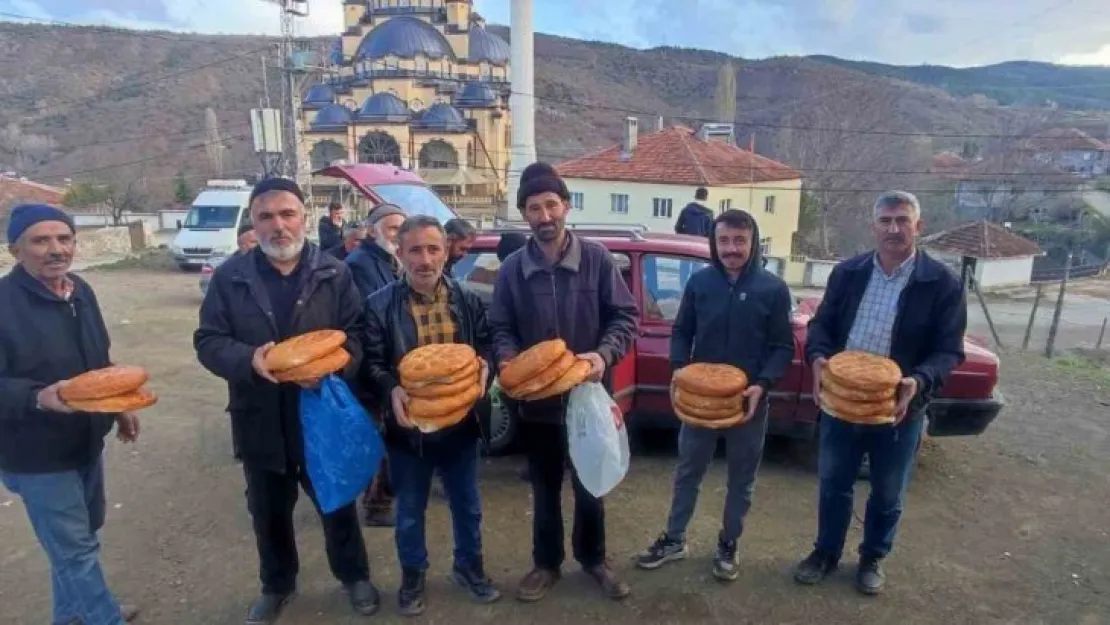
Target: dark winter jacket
point(338, 251)
point(927, 341)
point(391, 333)
point(745, 324)
point(329, 233)
point(237, 317)
point(694, 219)
point(372, 267)
point(582, 299)
point(44, 339)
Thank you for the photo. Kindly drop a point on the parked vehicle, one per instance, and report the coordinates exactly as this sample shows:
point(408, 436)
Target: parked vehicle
point(379, 184)
point(656, 267)
point(212, 224)
point(208, 268)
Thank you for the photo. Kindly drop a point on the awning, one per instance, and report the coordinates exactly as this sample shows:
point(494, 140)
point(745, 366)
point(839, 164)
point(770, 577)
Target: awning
point(454, 177)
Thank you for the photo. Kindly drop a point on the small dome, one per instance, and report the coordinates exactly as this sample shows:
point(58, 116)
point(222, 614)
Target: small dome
point(404, 37)
point(486, 46)
point(476, 94)
point(443, 117)
point(319, 95)
point(383, 107)
point(331, 117)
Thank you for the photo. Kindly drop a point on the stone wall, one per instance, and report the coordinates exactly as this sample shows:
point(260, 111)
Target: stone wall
point(103, 242)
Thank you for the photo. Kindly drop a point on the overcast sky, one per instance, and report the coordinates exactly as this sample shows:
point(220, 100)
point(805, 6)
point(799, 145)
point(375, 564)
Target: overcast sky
point(947, 32)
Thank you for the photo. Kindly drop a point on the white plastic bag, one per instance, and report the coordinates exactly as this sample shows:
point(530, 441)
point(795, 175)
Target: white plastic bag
point(597, 438)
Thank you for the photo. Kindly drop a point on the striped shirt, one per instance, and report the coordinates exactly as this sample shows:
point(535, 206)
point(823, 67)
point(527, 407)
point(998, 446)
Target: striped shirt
point(874, 323)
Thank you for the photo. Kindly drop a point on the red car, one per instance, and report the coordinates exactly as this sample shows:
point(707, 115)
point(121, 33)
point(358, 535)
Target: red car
point(656, 267)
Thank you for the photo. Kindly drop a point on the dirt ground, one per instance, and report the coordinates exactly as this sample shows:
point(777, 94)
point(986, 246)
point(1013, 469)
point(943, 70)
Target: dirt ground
point(1010, 527)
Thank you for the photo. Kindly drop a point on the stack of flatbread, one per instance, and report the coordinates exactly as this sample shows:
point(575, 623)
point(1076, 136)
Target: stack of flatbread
point(546, 369)
point(860, 387)
point(443, 381)
point(118, 388)
point(308, 357)
point(709, 395)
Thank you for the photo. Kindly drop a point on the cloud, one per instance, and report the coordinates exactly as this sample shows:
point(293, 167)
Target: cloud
point(948, 32)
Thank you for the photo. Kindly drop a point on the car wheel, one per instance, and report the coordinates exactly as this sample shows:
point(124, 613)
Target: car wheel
point(502, 428)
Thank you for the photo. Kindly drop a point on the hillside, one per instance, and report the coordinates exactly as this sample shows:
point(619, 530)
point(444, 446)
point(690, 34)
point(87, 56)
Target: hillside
point(106, 104)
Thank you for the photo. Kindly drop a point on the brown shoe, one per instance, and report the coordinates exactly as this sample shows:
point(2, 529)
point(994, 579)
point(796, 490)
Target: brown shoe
point(128, 612)
point(535, 585)
point(613, 587)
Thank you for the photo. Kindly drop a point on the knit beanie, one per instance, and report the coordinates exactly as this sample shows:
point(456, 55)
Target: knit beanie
point(276, 184)
point(26, 215)
point(382, 211)
point(537, 178)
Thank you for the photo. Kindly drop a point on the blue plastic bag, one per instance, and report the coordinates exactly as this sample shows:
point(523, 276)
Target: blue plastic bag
point(342, 447)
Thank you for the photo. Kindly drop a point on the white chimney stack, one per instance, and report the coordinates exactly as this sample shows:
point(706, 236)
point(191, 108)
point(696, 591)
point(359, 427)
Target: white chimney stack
point(630, 137)
point(659, 124)
point(522, 102)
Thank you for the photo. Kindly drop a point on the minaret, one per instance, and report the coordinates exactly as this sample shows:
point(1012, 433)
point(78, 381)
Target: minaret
point(522, 102)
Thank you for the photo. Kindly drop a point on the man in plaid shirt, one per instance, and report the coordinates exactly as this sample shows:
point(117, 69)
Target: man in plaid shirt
point(422, 308)
point(897, 302)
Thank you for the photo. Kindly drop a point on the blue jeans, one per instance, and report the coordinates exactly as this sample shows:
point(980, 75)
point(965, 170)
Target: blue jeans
point(66, 510)
point(890, 451)
point(457, 466)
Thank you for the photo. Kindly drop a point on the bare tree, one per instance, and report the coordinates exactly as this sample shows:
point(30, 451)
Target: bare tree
point(213, 144)
point(724, 98)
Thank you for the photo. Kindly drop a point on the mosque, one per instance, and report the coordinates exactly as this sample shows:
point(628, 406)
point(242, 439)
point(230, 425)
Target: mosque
point(420, 84)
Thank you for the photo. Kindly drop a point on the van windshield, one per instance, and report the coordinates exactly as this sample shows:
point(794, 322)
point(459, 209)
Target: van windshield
point(415, 200)
point(206, 217)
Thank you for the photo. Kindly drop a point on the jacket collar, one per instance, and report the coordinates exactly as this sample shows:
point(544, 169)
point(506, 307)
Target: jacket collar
point(31, 284)
point(925, 267)
point(245, 268)
point(533, 260)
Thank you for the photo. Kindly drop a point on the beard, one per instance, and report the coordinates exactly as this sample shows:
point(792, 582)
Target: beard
point(282, 253)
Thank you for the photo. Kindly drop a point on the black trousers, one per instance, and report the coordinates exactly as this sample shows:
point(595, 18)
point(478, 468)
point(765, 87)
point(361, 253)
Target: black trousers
point(545, 444)
point(271, 497)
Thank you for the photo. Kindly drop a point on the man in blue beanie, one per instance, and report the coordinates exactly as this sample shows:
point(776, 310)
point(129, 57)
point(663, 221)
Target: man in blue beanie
point(51, 330)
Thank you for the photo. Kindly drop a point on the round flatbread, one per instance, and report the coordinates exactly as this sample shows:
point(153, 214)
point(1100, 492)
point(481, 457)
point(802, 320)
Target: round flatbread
point(468, 371)
point(531, 362)
point(848, 393)
point(544, 378)
point(127, 402)
point(435, 424)
point(303, 349)
point(433, 391)
point(102, 383)
point(425, 408)
point(574, 376)
point(715, 404)
point(714, 424)
point(857, 412)
point(864, 371)
point(435, 362)
point(337, 360)
point(702, 413)
point(711, 379)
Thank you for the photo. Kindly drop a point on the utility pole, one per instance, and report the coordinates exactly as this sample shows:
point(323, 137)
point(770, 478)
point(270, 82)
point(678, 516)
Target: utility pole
point(1048, 349)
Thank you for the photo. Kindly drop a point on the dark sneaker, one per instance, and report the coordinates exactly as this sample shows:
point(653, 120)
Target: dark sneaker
point(378, 517)
point(726, 563)
point(870, 577)
point(410, 598)
point(613, 587)
point(662, 551)
point(128, 612)
point(476, 583)
point(365, 599)
point(267, 609)
point(535, 585)
point(815, 568)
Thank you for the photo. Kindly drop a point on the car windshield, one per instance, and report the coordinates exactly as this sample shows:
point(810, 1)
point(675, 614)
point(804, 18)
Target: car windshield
point(415, 200)
point(205, 217)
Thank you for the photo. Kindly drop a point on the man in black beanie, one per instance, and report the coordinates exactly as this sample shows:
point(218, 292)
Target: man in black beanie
point(560, 285)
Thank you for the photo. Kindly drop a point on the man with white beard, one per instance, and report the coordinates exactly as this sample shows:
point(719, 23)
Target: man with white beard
point(283, 288)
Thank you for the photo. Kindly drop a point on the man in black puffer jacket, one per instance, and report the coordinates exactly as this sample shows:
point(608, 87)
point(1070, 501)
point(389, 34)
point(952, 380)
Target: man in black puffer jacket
point(421, 309)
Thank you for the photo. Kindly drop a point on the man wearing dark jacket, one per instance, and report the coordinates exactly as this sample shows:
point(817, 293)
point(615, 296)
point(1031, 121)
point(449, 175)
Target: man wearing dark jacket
point(330, 229)
point(353, 234)
point(460, 238)
point(900, 303)
point(374, 263)
point(695, 218)
point(425, 308)
point(560, 285)
point(284, 288)
point(736, 312)
point(51, 330)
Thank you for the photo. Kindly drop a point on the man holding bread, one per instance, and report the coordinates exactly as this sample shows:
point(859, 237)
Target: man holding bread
point(427, 351)
point(559, 286)
point(51, 456)
point(737, 313)
point(894, 314)
point(286, 287)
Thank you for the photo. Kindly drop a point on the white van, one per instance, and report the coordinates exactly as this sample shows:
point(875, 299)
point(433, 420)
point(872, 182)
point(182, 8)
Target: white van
point(212, 225)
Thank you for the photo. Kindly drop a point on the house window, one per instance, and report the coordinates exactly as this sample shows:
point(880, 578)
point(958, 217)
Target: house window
point(618, 203)
point(661, 207)
point(726, 204)
point(577, 201)
point(769, 204)
point(765, 246)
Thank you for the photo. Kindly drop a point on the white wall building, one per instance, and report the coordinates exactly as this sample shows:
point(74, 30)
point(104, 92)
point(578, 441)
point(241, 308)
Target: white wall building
point(999, 257)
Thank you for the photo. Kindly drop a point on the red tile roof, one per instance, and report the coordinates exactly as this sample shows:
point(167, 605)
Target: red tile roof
point(676, 155)
point(1066, 139)
point(14, 191)
point(982, 239)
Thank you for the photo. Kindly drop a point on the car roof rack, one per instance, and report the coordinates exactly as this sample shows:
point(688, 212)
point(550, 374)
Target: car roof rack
point(634, 232)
